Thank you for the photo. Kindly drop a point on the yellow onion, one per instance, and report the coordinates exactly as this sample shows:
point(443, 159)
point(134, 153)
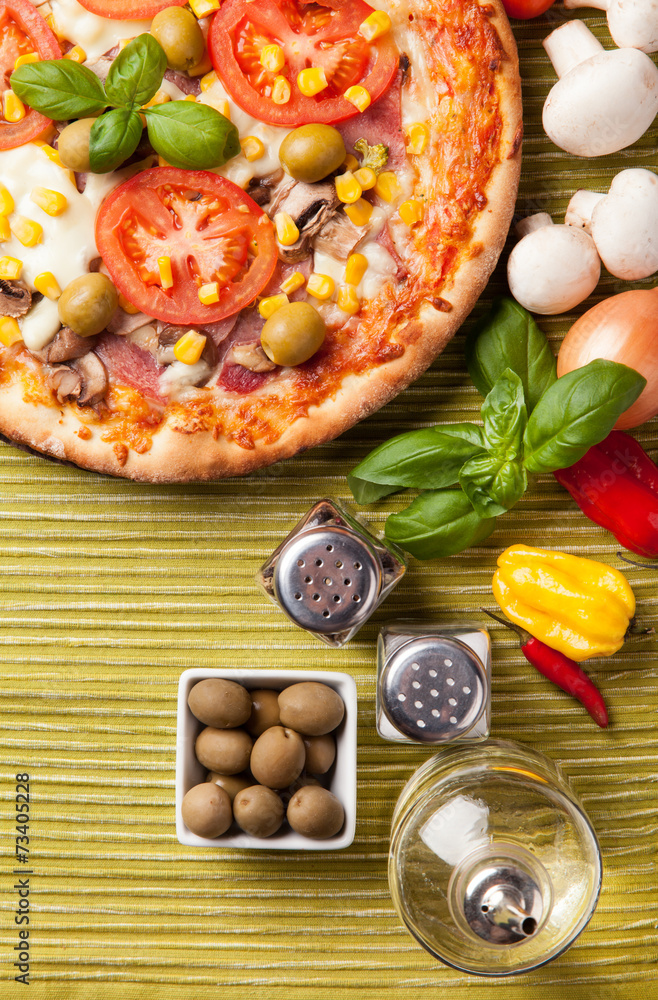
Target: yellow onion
point(623, 328)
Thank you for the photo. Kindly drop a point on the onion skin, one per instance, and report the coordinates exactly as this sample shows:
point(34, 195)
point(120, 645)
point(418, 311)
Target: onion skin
point(623, 328)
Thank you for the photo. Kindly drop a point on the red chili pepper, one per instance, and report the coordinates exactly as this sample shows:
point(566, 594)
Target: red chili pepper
point(616, 485)
point(561, 670)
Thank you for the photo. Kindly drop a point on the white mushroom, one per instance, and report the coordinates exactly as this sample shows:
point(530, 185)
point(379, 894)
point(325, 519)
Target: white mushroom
point(633, 24)
point(552, 268)
point(603, 101)
point(623, 223)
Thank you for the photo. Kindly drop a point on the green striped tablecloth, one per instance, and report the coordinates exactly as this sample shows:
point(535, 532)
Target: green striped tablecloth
point(111, 589)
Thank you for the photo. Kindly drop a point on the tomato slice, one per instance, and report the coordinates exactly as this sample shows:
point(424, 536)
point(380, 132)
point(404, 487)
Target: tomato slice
point(205, 224)
point(127, 10)
point(22, 30)
point(525, 9)
point(323, 34)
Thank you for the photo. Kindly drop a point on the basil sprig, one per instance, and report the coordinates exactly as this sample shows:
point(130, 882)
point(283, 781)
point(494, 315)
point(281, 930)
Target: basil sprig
point(510, 360)
point(186, 134)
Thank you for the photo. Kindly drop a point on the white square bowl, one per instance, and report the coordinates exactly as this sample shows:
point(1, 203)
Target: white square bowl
point(190, 772)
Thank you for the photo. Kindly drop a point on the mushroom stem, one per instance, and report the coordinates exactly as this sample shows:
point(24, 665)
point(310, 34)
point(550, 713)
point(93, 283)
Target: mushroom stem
point(575, 4)
point(531, 223)
point(580, 208)
point(570, 45)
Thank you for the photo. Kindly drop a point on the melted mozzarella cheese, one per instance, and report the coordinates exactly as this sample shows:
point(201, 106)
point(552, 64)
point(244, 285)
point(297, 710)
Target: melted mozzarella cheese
point(96, 35)
point(67, 245)
point(240, 170)
point(178, 376)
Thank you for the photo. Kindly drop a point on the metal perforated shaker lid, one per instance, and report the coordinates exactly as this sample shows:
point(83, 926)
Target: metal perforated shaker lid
point(327, 579)
point(433, 688)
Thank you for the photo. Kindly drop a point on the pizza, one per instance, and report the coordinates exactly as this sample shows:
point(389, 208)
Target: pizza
point(261, 307)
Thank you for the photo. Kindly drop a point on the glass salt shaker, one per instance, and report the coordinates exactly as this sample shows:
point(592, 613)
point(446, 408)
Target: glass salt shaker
point(494, 867)
point(433, 682)
point(331, 573)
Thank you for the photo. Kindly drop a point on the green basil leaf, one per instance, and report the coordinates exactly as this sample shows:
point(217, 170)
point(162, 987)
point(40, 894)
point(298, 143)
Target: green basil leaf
point(113, 138)
point(504, 415)
point(190, 135)
point(427, 459)
point(508, 337)
point(577, 412)
point(493, 485)
point(438, 523)
point(137, 72)
point(60, 89)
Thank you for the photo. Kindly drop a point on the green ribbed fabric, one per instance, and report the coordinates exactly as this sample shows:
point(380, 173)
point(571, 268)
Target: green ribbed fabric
point(111, 589)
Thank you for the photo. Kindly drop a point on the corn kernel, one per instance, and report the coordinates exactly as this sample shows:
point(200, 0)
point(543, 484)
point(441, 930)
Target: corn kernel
point(252, 148)
point(359, 213)
point(294, 282)
point(127, 306)
point(356, 267)
point(10, 332)
point(202, 8)
point(10, 268)
point(224, 108)
point(348, 300)
point(123, 42)
point(348, 188)
point(268, 306)
point(320, 286)
point(52, 24)
point(14, 109)
point(366, 177)
point(160, 97)
point(162, 162)
point(190, 97)
point(201, 68)
point(280, 90)
point(207, 81)
point(189, 347)
point(312, 80)
point(411, 211)
point(375, 25)
point(350, 163)
point(208, 294)
point(27, 231)
point(388, 186)
point(76, 54)
point(6, 201)
point(47, 284)
point(359, 97)
point(52, 202)
point(166, 276)
point(417, 138)
point(286, 230)
point(5, 231)
point(272, 57)
point(28, 57)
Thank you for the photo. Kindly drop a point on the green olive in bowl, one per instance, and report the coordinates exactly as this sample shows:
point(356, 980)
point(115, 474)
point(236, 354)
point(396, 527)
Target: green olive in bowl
point(311, 152)
point(87, 304)
point(73, 145)
point(293, 334)
point(179, 34)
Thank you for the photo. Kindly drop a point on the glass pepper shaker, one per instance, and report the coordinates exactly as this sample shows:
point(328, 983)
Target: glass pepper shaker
point(331, 573)
point(433, 682)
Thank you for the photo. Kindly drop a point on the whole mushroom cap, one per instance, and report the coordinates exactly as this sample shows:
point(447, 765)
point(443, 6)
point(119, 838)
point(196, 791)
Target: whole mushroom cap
point(552, 269)
point(625, 225)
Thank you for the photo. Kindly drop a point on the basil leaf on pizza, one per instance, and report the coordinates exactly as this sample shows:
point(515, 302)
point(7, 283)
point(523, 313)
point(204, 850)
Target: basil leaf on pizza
point(192, 136)
point(113, 138)
point(427, 459)
point(60, 89)
point(136, 73)
point(508, 337)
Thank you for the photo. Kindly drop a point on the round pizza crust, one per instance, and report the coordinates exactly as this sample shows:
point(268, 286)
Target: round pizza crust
point(176, 456)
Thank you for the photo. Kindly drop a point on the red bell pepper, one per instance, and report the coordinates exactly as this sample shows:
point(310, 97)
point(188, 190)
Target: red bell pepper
point(616, 485)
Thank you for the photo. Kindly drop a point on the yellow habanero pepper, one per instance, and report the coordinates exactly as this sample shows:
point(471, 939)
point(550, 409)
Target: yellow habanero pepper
point(581, 607)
